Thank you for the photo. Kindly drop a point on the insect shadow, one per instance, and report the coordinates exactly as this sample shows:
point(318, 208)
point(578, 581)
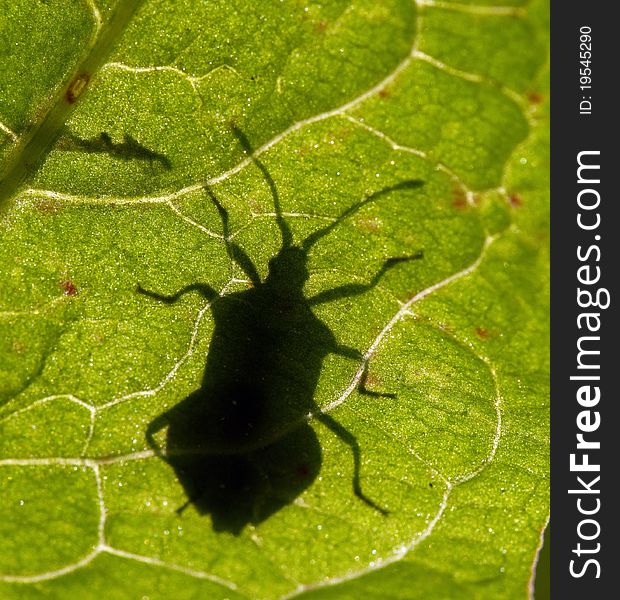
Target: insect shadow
point(241, 445)
point(128, 149)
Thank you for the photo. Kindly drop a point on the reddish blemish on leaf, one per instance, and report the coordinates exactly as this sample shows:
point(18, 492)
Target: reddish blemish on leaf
point(482, 332)
point(48, 206)
point(460, 203)
point(459, 198)
point(515, 200)
point(68, 287)
point(321, 26)
point(77, 87)
point(384, 93)
point(535, 97)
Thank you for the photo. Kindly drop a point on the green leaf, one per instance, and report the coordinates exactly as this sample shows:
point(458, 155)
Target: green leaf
point(159, 145)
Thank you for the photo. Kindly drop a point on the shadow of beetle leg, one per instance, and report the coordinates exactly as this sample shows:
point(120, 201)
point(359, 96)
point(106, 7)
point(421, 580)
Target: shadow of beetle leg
point(349, 439)
point(236, 254)
point(285, 231)
point(179, 511)
point(155, 426)
point(365, 391)
point(357, 289)
point(203, 288)
point(314, 237)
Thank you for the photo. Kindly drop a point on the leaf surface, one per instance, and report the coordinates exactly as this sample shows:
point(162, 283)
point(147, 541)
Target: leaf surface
point(394, 128)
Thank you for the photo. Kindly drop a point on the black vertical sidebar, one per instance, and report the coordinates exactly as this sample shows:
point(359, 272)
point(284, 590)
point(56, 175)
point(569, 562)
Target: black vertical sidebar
point(584, 509)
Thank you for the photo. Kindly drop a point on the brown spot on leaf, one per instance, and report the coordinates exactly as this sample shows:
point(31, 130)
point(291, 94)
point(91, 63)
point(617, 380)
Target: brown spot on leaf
point(19, 346)
point(515, 200)
point(535, 97)
point(384, 93)
point(482, 332)
point(68, 287)
point(77, 87)
point(321, 26)
point(47, 206)
point(459, 198)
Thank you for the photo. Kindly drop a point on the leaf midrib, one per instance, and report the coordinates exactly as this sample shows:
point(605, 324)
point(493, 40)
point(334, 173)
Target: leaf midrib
point(32, 148)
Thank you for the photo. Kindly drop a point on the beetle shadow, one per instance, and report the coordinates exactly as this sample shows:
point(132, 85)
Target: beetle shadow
point(128, 149)
point(241, 445)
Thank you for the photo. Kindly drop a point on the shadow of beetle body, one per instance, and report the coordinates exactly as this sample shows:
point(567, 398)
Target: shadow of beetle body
point(241, 445)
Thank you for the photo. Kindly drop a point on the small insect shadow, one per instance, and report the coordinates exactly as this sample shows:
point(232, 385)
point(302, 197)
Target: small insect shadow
point(241, 445)
point(128, 149)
